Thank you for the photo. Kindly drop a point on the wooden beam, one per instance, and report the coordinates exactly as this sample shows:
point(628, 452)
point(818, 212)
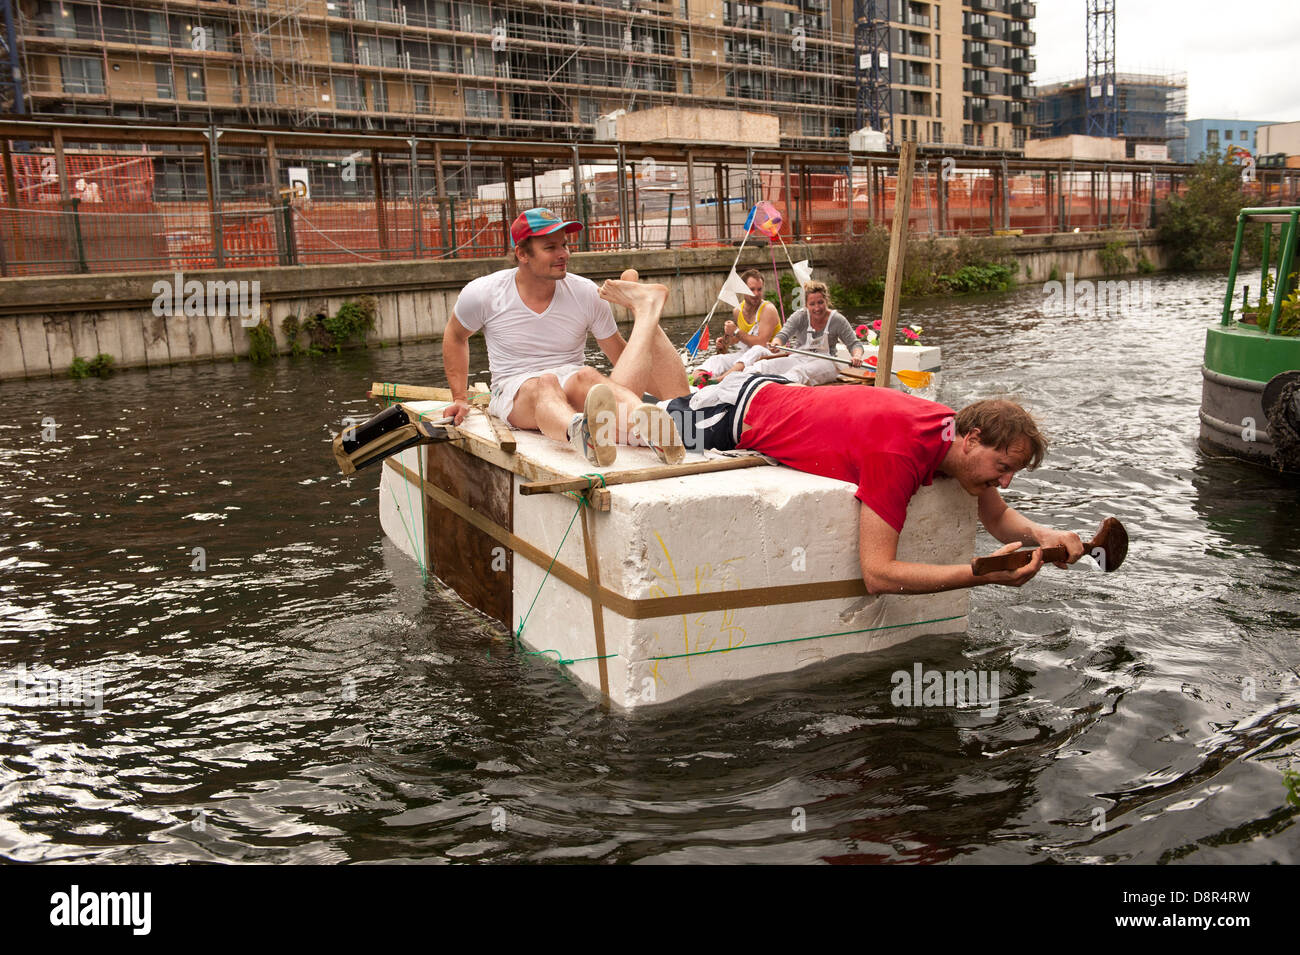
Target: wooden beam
point(894, 274)
point(381, 214)
point(639, 475)
point(690, 191)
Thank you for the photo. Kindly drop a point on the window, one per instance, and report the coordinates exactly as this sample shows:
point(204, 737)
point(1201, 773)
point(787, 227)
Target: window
point(83, 74)
point(588, 109)
point(1227, 134)
point(236, 95)
point(1242, 137)
point(261, 86)
point(482, 103)
point(381, 96)
point(340, 49)
point(349, 93)
point(420, 92)
point(686, 82)
point(686, 43)
point(1018, 138)
point(1212, 139)
point(195, 88)
point(162, 76)
point(443, 57)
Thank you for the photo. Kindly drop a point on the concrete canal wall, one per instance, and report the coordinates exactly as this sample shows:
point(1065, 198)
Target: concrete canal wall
point(46, 323)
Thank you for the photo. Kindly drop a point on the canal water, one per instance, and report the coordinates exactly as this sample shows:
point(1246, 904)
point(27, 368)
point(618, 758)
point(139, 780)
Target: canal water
point(210, 653)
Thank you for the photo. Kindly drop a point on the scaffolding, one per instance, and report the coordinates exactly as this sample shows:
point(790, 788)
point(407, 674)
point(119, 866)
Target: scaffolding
point(275, 56)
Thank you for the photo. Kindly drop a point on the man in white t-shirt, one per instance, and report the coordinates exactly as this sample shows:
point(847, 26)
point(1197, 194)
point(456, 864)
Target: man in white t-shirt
point(535, 318)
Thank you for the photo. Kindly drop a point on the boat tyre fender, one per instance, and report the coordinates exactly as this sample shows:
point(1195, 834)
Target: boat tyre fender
point(1281, 401)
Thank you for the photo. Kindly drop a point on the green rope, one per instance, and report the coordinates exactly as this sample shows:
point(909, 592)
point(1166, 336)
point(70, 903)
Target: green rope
point(773, 643)
point(592, 478)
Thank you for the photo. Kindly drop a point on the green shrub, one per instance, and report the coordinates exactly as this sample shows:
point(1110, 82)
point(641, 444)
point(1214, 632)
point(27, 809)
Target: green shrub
point(1112, 258)
point(261, 342)
point(859, 267)
point(101, 366)
point(980, 278)
point(1144, 265)
point(354, 319)
point(1199, 226)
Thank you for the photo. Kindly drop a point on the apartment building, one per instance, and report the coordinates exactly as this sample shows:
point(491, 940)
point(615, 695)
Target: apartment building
point(540, 69)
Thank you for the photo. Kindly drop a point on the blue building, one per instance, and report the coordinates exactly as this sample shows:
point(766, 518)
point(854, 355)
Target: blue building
point(1217, 135)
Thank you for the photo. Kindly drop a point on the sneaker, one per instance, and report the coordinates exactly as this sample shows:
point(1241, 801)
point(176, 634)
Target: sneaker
point(657, 428)
point(593, 433)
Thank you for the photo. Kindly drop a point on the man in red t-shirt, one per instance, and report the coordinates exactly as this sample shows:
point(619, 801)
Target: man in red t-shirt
point(889, 444)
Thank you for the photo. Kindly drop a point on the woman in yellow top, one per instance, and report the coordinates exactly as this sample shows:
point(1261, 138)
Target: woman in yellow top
point(756, 320)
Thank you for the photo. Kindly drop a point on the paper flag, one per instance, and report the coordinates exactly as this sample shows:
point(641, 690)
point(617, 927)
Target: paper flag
point(802, 272)
point(699, 342)
point(732, 289)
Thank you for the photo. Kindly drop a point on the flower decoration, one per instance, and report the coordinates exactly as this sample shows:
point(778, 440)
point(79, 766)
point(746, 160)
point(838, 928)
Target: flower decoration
point(699, 378)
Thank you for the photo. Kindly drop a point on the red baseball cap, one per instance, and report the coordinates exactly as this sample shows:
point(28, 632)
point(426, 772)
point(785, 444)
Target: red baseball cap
point(534, 222)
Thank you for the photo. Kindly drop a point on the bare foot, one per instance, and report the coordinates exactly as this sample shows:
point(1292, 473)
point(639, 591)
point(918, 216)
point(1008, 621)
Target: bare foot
point(629, 275)
point(645, 301)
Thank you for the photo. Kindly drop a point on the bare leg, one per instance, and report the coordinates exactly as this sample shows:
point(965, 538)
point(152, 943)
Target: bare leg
point(541, 405)
point(667, 374)
point(646, 302)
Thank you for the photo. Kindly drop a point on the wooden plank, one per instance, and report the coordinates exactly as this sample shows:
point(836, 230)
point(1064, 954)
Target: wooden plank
point(594, 592)
point(894, 273)
point(464, 557)
point(501, 430)
point(639, 475)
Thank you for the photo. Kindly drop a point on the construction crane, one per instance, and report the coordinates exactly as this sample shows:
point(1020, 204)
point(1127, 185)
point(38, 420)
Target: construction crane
point(1101, 98)
point(875, 107)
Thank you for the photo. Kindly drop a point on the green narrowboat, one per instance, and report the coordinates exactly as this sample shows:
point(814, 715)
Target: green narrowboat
point(1250, 397)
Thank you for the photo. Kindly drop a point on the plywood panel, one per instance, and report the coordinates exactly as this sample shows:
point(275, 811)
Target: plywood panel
point(478, 568)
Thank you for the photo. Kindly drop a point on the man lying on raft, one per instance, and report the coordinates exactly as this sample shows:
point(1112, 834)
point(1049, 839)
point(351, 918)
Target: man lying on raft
point(535, 318)
point(889, 444)
point(816, 328)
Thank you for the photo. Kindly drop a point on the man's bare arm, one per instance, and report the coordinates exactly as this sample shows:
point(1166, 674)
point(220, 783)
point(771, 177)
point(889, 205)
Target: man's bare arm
point(767, 319)
point(1007, 524)
point(455, 364)
point(612, 346)
point(884, 573)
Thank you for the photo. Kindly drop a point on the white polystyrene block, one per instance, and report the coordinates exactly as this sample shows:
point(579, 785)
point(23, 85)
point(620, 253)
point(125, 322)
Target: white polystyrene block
point(730, 530)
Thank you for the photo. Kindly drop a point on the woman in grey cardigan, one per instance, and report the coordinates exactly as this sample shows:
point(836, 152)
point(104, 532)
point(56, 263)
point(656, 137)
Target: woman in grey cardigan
point(816, 327)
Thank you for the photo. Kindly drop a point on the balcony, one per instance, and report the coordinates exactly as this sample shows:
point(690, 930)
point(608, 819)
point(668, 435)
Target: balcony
point(984, 114)
point(1018, 91)
point(915, 19)
point(1023, 11)
point(982, 31)
point(1021, 118)
point(981, 87)
point(1022, 37)
point(984, 4)
point(916, 49)
point(915, 79)
point(1023, 64)
point(983, 59)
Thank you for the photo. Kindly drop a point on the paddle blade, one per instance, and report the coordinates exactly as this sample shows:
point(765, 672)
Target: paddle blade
point(1110, 546)
point(915, 379)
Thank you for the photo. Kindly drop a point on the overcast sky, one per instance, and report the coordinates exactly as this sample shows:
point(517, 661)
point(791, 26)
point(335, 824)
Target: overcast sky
point(1241, 57)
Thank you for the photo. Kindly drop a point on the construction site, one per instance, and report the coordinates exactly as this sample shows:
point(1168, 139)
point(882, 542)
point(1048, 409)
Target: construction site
point(97, 196)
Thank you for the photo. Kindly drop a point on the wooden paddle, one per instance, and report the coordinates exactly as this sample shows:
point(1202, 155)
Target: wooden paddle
point(1108, 549)
point(913, 379)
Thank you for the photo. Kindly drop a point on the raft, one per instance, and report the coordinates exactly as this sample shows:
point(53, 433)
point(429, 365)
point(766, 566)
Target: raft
point(648, 583)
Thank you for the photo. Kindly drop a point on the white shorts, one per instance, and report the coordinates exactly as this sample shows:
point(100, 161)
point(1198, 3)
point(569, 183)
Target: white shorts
point(504, 391)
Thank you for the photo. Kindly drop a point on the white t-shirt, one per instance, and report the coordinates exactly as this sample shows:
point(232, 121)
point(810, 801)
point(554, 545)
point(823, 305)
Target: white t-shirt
point(518, 339)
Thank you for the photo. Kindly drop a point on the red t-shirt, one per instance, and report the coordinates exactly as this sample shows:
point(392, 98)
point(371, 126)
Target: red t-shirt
point(885, 442)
